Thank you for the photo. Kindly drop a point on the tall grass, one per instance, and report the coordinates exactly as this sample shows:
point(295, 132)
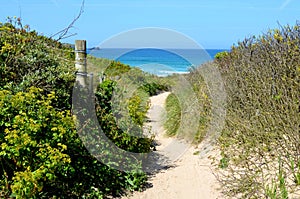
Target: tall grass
point(173, 115)
point(188, 107)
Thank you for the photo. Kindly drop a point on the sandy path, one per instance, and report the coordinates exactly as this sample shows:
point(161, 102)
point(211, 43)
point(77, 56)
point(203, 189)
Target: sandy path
point(189, 176)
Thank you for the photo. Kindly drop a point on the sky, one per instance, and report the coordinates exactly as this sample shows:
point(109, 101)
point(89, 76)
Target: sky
point(213, 24)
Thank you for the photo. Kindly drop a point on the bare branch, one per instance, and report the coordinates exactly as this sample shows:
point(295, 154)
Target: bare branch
point(63, 34)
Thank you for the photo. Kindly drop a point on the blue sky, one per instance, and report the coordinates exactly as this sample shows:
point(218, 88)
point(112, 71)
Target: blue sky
point(211, 23)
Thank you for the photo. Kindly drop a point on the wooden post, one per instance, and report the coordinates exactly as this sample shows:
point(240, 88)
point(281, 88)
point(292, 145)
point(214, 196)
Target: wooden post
point(91, 84)
point(80, 61)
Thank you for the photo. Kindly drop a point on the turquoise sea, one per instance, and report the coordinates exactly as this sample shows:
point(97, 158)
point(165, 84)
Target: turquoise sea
point(158, 61)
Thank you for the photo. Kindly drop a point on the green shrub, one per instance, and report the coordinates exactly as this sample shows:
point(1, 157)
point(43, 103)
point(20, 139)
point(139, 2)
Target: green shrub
point(119, 135)
point(153, 88)
point(41, 154)
point(34, 141)
point(203, 93)
point(27, 59)
point(221, 55)
point(116, 68)
point(261, 77)
point(136, 111)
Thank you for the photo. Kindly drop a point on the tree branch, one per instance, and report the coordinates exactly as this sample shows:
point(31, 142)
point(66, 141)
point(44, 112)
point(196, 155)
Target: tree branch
point(63, 34)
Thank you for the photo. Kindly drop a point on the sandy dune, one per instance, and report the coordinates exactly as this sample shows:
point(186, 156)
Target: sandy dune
point(183, 174)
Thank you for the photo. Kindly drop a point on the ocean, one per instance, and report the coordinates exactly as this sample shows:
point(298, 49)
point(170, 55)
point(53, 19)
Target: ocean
point(160, 62)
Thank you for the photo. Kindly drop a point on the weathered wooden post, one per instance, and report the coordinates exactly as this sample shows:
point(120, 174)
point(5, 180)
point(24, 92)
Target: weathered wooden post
point(80, 61)
point(91, 88)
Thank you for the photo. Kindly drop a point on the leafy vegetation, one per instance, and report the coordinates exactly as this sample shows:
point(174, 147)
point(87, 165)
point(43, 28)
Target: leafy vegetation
point(41, 154)
point(116, 68)
point(27, 59)
point(119, 135)
point(130, 110)
point(34, 142)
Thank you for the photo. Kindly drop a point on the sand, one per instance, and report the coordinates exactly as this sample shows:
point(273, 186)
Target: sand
point(182, 173)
